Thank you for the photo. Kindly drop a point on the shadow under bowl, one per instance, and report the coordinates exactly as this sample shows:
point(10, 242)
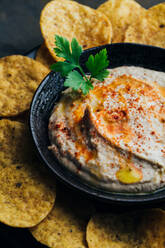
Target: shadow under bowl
point(49, 92)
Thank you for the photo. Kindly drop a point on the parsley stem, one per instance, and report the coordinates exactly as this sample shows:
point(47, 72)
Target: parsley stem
point(81, 70)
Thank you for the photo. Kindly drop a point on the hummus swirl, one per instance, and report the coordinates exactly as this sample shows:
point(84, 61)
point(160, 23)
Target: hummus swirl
point(115, 136)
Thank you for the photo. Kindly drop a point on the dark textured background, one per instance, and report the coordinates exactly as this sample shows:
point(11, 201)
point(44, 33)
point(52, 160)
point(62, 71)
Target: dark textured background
point(19, 33)
point(19, 23)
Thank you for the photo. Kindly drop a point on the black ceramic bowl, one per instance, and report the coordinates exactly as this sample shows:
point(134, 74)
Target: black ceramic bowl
point(49, 93)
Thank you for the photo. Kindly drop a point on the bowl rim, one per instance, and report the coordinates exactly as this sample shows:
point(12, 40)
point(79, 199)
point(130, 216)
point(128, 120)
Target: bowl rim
point(97, 194)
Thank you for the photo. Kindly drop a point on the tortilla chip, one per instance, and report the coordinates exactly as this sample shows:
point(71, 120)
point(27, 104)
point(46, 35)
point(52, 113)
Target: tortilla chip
point(121, 13)
point(150, 29)
point(71, 19)
point(65, 226)
point(19, 78)
point(15, 143)
point(157, 14)
point(141, 229)
point(26, 197)
point(44, 57)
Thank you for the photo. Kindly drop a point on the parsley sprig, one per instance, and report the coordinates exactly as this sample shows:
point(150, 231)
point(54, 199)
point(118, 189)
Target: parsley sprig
point(76, 79)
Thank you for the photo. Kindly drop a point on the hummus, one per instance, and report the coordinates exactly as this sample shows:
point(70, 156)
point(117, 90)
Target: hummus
point(115, 136)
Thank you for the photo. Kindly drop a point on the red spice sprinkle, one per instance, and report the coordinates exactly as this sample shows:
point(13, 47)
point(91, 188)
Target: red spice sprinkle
point(66, 131)
point(57, 126)
point(113, 94)
point(116, 117)
point(140, 108)
point(142, 92)
point(139, 136)
point(124, 112)
point(138, 150)
point(128, 87)
point(76, 154)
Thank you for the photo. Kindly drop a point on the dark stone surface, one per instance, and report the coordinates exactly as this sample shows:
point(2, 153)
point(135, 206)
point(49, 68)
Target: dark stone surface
point(19, 23)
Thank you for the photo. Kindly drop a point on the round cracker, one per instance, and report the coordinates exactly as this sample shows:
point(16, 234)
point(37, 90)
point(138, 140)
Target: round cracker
point(44, 57)
point(65, 226)
point(19, 78)
point(121, 13)
point(71, 19)
point(139, 229)
point(149, 29)
point(15, 143)
point(26, 197)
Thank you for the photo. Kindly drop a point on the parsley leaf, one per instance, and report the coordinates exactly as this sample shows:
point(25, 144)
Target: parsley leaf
point(63, 47)
point(86, 87)
point(73, 77)
point(76, 51)
point(101, 75)
point(97, 64)
point(76, 79)
point(63, 67)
